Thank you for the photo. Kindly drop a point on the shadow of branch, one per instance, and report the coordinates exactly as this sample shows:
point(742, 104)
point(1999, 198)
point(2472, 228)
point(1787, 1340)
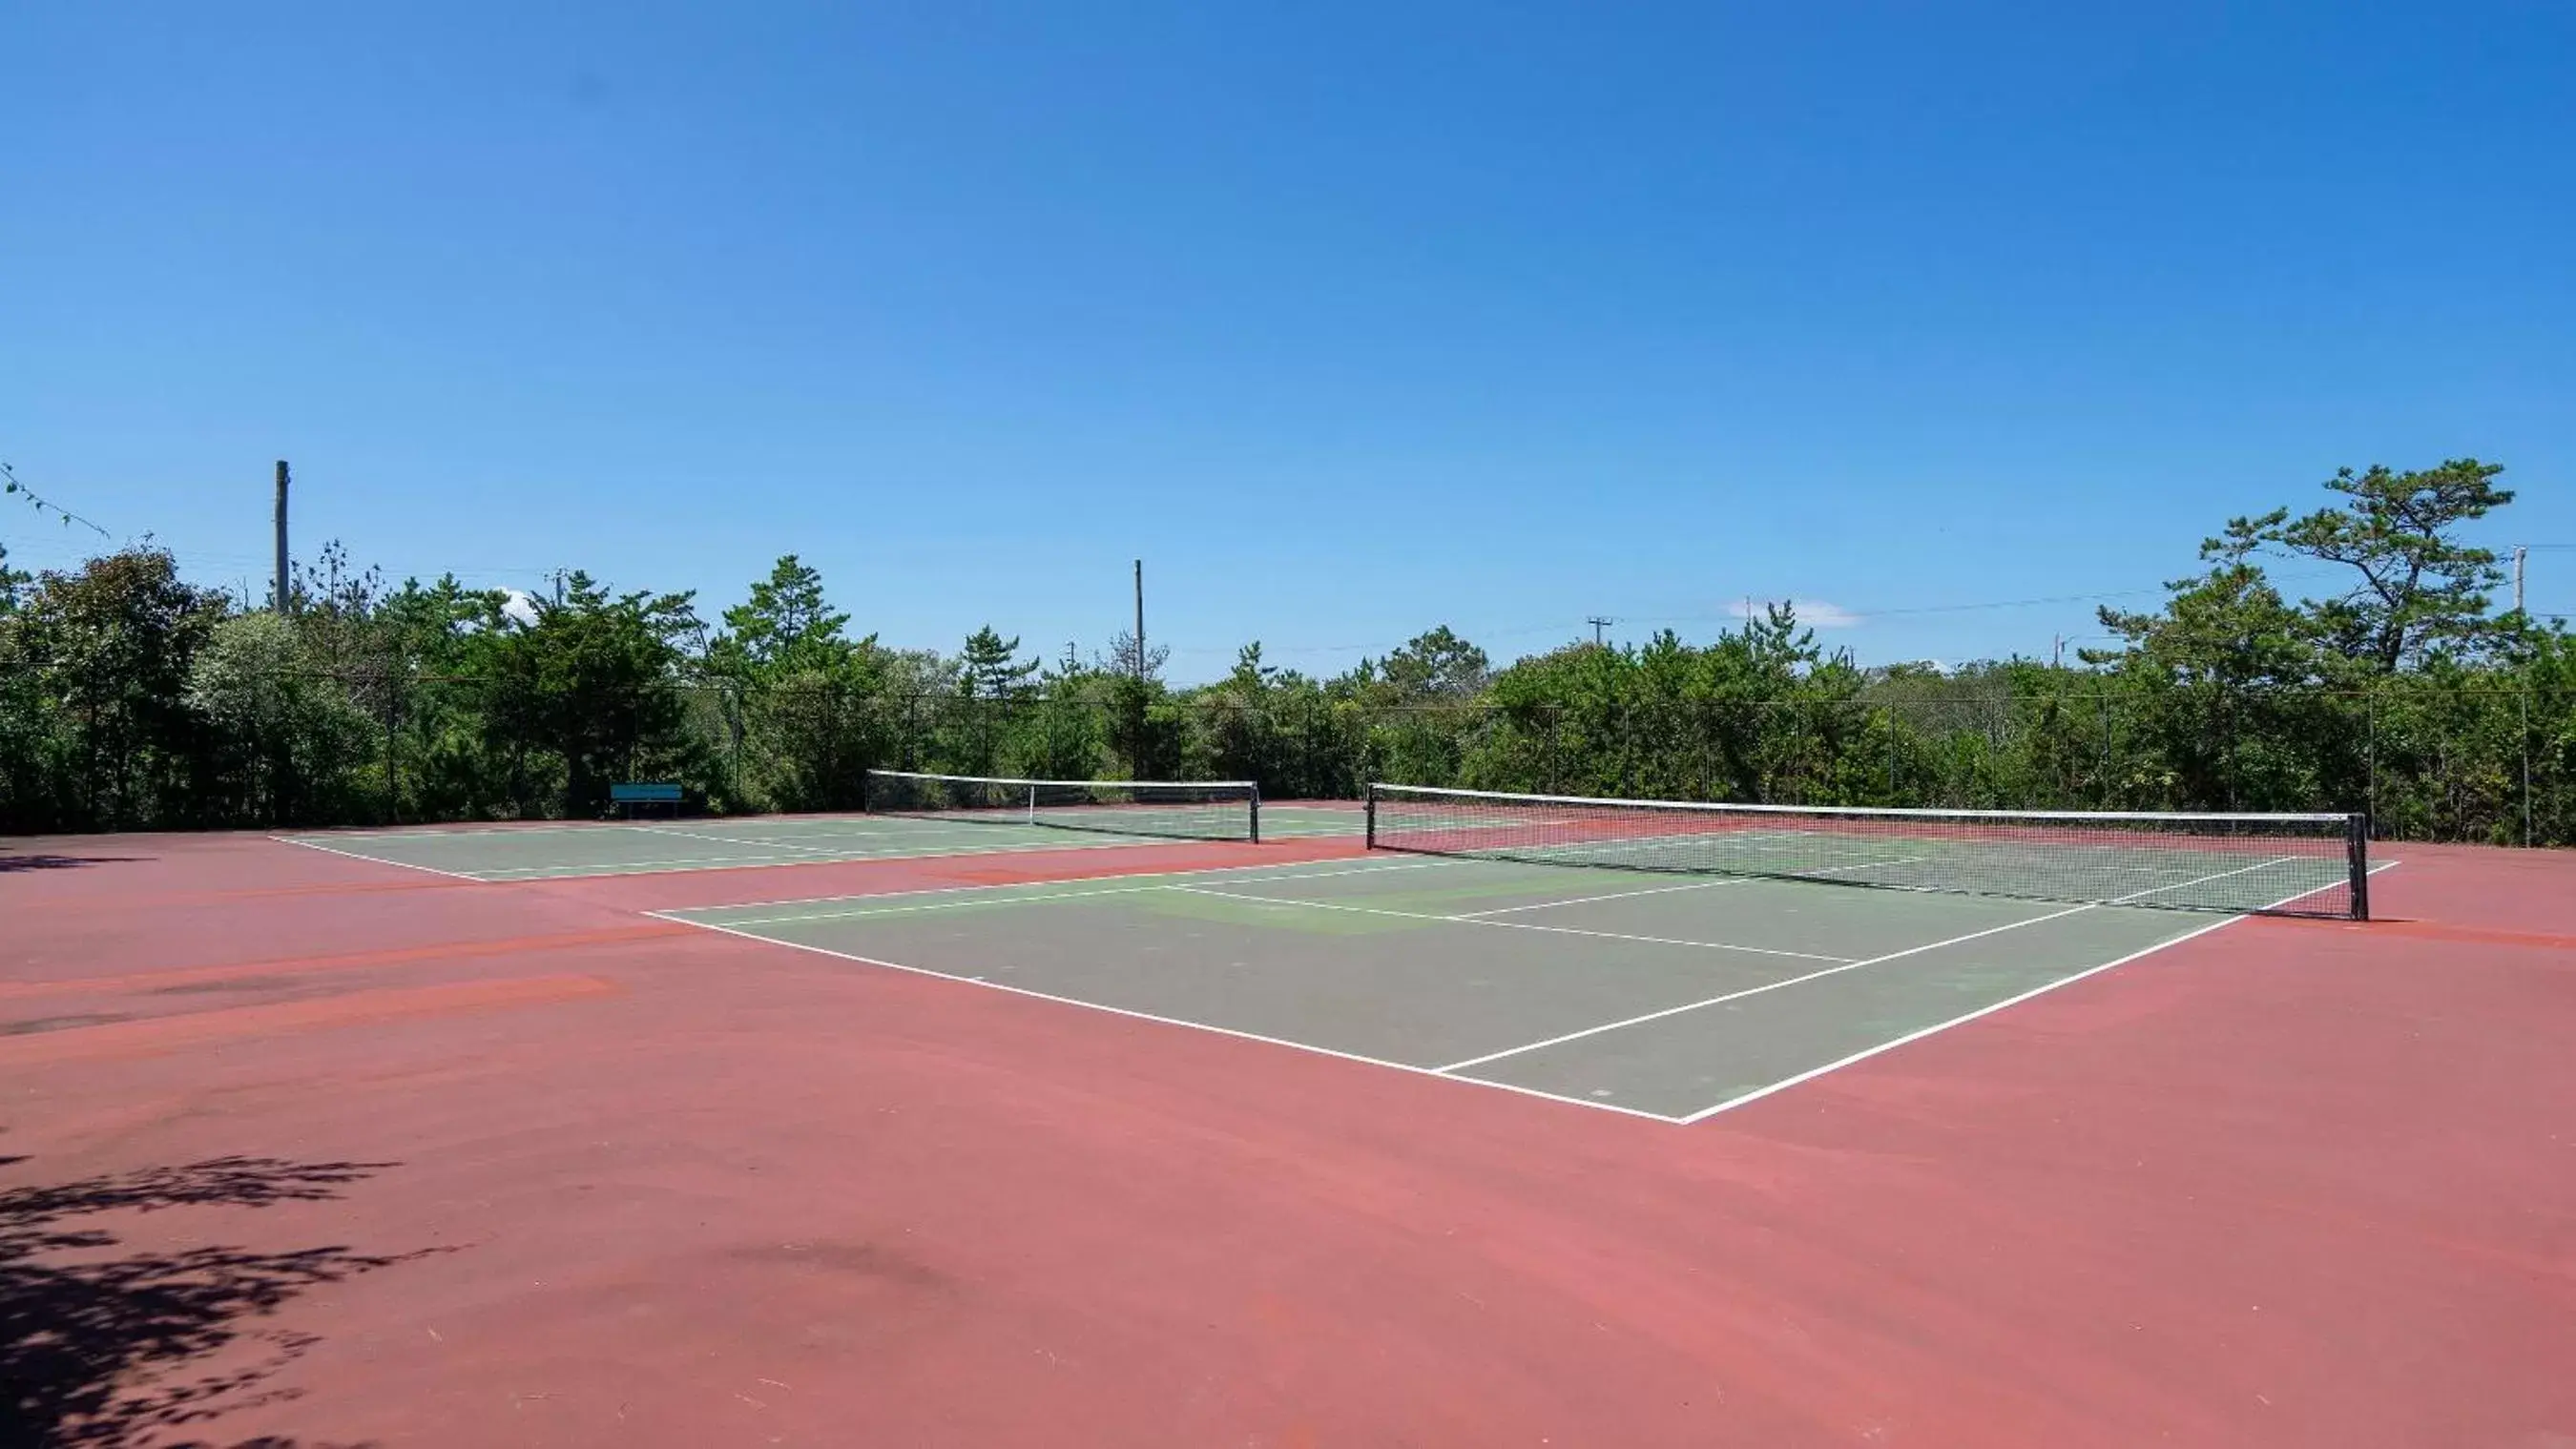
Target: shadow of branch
point(61, 862)
point(95, 1348)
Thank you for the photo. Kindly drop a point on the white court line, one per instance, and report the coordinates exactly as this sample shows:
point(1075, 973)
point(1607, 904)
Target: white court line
point(2224, 874)
point(1755, 990)
point(562, 869)
point(1668, 842)
point(1165, 1020)
point(736, 840)
point(968, 832)
point(1866, 865)
point(516, 873)
point(1865, 1054)
point(911, 826)
point(1321, 1051)
point(860, 912)
point(377, 859)
point(1291, 904)
point(1697, 885)
point(910, 831)
point(1693, 886)
point(1838, 970)
point(907, 832)
point(433, 832)
point(1450, 863)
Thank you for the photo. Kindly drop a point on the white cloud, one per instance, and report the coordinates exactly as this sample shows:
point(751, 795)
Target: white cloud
point(522, 606)
point(1814, 613)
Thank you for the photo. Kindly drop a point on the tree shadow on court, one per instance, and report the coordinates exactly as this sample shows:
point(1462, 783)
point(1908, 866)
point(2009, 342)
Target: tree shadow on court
point(97, 1347)
point(10, 863)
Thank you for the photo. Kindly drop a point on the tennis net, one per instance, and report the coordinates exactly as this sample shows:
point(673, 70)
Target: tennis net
point(1198, 810)
point(2315, 865)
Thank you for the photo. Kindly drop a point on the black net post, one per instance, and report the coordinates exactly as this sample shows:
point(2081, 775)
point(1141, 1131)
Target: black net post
point(2357, 856)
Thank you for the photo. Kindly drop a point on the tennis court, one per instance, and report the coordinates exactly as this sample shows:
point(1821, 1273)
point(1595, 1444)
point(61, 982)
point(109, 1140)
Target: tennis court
point(1607, 988)
point(547, 852)
point(962, 1151)
point(1660, 959)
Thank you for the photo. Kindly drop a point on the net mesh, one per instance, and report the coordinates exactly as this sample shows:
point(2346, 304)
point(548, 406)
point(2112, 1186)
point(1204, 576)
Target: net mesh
point(2280, 864)
point(1195, 810)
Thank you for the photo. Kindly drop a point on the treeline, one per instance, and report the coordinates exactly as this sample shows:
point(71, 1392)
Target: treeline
point(131, 699)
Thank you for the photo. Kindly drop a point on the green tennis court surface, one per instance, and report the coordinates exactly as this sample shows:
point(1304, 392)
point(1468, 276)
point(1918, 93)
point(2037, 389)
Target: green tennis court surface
point(543, 852)
point(1665, 998)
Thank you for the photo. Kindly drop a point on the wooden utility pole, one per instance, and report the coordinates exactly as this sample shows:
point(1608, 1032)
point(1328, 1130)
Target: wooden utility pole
point(1140, 621)
point(282, 596)
point(1598, 624)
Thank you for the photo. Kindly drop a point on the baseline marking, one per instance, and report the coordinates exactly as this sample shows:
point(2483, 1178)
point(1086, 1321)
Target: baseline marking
point(1848, 966)
point(378, 860)
point(1133, 1015)
point(1757, 990)
point(433, 832)
point(1865, 1054)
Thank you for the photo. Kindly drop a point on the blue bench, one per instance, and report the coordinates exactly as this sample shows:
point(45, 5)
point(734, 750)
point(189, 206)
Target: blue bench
point(627, 797)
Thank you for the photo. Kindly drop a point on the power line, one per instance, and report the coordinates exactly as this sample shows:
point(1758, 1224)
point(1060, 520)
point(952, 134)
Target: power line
point(9, 484)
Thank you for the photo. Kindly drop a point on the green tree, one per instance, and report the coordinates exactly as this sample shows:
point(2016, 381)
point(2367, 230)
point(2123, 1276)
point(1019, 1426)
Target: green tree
point(594, 683)
point(1148, 729)
point(1434, 667)
point(285, 737)
point(804, 702)
point(983, 710)
point(1234, 734)
point(2224, 683)
point(109, 649)
point(438, 642)
point(1064, 732)
point(990, 666)
point(1425, 706)
point(786, 627)
point(2421, 589)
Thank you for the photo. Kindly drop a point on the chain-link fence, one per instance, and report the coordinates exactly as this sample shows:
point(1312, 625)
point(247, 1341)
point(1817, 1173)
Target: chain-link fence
point(2454, 763)
point(2474, 759)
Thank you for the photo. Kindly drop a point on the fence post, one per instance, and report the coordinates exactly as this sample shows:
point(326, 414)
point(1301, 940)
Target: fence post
point(2370, 754)
point(2109, 796)
point(393, 786)
point(2526, 767)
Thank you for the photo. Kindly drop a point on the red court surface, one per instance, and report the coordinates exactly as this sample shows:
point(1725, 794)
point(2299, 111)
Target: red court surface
point(303, 1147)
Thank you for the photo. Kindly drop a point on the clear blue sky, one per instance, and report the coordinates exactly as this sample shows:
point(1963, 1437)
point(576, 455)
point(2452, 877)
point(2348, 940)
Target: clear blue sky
point(1349, 319)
